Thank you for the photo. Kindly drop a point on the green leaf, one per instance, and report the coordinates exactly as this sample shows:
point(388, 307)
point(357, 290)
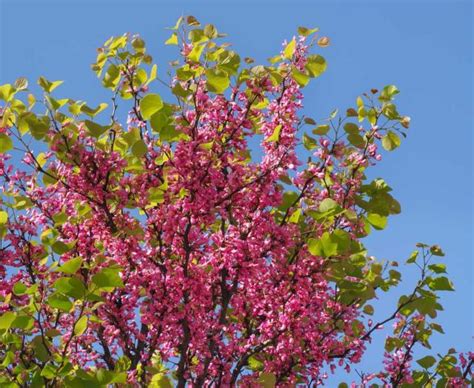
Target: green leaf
point(275, 135)
point(70, 286)
point(290, 49)
point(437, 268)
point(217, 80)
point(394, 275)
point(71, 266)
point(413, 257)
point(179, 91)
point(372, 116)
point(173, 39)
point(316, 65)
point(308, 142)
point(197, 36)
point(392, 343)
point(304, 31)
point(40, 349)
point(255, 364)
point(156, 195)
point(268, 380)
point(388, 92)
point(49, 371)
point(41, 159)
point(377, 221)
point(207, 146)
point(139, 148)
point(60, 218)
point(59, 302)
point(150, 104)
point(93, 112)
point(229, 61)
point(321, 129)
point(106, 377)
point(289, 198)
point(436, 250)
point(301, 78)
point(138, 44)
point(210, 31)
point(328, 245)
point(442, 383)
point(111, 77)
point(48, 86)
point(342, 239)
point(170, 134)
point(81, 326)
point(6, 92)
point(441, 283)
point(422, 245)
point(32, 290)
point(295, 217)
point(437, 327)
point(152, 75)
point(426, 362)
point(23, 322)
point(3, 217)
point(328, 204)
point(390, 141)
point(356, 140)
point(60, 247)
point(160, 380)
point(96, 130)
point(390, 111)
point(368, 309)
point(315, 247)
point(158, 121)
point(22, 202)
point(351, 128)
point(196, 52)
point(6, 144)
point(6, 320)
point(19, 288)
point(108, 277)
point(38, 126)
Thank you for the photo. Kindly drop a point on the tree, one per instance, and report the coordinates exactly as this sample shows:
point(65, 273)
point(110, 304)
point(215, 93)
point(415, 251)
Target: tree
point(160, 252)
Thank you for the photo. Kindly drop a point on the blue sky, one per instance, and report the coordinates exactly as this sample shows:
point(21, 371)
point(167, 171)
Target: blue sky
point(425, 48)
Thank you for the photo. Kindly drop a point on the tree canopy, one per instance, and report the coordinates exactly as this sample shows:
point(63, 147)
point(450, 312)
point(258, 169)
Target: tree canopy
point(158, 251)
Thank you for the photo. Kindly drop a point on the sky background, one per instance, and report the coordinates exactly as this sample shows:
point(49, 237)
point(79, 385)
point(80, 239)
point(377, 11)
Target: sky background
point(424, 47)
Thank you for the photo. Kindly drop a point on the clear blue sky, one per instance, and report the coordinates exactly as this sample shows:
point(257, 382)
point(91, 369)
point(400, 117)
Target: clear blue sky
point(424, 47)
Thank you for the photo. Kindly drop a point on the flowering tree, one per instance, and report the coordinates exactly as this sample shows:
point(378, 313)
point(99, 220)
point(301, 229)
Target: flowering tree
point(161, 253)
